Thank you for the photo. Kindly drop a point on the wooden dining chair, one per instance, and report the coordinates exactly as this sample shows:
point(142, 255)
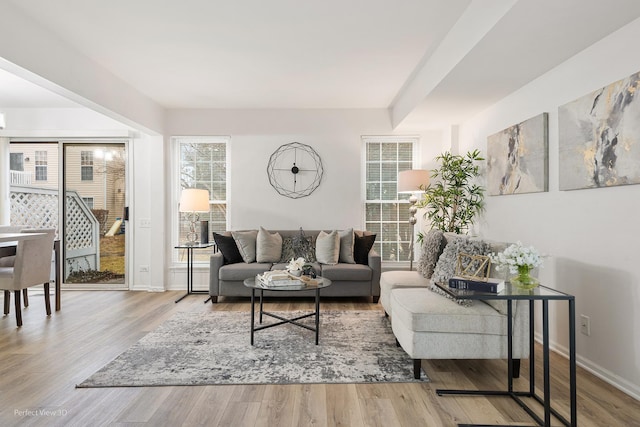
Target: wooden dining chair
point(32, 267)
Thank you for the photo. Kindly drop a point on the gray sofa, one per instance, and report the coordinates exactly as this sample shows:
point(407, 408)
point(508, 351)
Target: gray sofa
point(348, 280)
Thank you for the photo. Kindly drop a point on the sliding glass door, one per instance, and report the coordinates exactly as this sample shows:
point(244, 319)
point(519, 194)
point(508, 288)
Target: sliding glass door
point(95, 214)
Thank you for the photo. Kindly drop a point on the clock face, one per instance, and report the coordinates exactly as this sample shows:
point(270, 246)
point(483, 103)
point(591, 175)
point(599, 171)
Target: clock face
point(295, 170)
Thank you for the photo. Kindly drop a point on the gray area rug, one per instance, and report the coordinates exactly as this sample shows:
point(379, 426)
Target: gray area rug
point(213, 348)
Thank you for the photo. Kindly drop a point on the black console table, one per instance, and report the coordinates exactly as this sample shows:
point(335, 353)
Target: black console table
point(190, 247)
point(543, 294)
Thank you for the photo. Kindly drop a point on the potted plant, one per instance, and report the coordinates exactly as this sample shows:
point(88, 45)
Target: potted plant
point(453, 198)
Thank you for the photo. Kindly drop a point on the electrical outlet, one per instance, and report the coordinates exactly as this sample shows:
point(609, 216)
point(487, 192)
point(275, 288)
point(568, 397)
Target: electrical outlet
point(145, 223)
point(144, 269)
point(585, 325)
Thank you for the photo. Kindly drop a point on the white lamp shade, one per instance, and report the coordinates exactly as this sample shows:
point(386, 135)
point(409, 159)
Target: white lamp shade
point(411, 180)
point(194, 200)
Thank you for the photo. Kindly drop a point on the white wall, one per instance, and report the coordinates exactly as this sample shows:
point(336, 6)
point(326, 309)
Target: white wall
point(255, 134)
point(591, 235)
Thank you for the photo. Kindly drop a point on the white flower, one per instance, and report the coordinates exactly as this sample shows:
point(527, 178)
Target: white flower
point(296, 264)
point(516, 256)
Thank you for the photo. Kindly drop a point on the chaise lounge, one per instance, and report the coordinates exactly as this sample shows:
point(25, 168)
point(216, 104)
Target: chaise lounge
point(430, 325)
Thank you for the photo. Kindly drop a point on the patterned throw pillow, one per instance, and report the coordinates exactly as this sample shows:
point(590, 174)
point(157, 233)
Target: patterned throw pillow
point(297, 247)
point(432, 247)
point(446, 265)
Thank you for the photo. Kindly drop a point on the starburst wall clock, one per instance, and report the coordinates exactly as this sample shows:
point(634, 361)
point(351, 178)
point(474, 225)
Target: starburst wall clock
point(295, 170)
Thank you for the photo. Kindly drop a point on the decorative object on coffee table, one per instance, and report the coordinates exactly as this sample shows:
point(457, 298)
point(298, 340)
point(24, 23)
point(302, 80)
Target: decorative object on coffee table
point(520, 260)
point(192, 201)
point(295, 170)
point(412, 181)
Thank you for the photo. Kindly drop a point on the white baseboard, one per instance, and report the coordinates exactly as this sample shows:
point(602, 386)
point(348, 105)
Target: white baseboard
point(605, 375)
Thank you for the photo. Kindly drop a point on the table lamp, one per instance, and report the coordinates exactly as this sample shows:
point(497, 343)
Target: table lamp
point(410, 181)
point(192, 201)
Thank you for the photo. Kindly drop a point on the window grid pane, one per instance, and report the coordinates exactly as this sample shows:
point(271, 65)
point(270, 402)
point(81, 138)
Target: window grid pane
point(386, 211)
point(203, 165)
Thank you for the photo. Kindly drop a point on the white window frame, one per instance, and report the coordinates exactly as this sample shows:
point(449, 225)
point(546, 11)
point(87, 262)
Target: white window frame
point(86, 163)
point(177, 189)
point(401, 199)
point(41, 163)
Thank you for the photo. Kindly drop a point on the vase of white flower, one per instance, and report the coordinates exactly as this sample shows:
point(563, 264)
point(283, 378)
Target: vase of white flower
point(295, 266)
point(519, 260)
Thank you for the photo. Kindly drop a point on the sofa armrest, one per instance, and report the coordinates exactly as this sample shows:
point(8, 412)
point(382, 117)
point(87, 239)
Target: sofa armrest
point(215, 263)
point(375, 263)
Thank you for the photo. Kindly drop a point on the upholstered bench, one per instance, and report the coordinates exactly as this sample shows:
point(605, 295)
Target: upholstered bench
point(431, 326)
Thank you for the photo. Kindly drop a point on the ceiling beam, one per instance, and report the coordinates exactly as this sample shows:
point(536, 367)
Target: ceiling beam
point(476, 21)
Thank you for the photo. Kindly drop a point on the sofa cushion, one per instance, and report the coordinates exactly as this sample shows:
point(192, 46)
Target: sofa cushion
point(328, 247)
point(268, 246)
point(361, 247)
point(432, 246)
point(349, 272)
point(425, 311)
point(241, 271)
point(246, 242)
point(227, 246)
point(346, 246)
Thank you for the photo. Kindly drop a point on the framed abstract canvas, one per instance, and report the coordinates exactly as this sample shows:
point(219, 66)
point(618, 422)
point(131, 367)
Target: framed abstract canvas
point(518, 158)
point(599, 137)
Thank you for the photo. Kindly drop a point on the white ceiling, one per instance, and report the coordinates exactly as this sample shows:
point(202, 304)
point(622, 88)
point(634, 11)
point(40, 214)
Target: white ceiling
point(316, 54)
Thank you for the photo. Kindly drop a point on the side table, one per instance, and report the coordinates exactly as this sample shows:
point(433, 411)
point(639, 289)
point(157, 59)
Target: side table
point(544, 295)
point(190, 247)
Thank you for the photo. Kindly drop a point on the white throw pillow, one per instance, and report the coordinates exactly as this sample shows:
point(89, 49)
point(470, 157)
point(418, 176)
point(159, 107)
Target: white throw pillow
point(246, 242)
point(268, 246)
point(328, 248)
point(346, 246)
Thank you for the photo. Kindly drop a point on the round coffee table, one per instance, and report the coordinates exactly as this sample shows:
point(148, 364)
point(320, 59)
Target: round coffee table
point(313, 284)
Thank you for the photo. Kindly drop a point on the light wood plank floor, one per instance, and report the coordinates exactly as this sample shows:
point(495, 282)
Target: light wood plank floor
point(41, 362)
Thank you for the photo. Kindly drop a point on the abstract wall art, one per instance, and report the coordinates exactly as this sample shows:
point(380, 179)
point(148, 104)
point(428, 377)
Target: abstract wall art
point(599, 137)
point(517, 158)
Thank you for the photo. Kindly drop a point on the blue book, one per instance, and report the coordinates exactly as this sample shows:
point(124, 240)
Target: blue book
point(492, 285)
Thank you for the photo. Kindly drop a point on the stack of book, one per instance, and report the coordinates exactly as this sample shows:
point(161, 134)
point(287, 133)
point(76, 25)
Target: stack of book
point(490, 285)
point(278, 278)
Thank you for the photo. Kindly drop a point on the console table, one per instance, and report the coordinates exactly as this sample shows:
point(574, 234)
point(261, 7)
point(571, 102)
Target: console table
point(543, 294)
point(190, 247)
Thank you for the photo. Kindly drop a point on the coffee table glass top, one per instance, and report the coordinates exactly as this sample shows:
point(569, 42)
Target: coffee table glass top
point(310, 284)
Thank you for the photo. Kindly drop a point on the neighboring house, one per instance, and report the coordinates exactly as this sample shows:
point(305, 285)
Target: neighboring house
point(96, 175)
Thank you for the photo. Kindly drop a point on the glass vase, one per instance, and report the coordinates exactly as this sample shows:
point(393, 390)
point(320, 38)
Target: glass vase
point(524, 280)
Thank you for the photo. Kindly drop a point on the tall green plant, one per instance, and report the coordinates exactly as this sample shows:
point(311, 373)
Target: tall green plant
point(453, 199)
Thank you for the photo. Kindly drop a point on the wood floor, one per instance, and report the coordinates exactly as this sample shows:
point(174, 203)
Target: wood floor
point(41, 362)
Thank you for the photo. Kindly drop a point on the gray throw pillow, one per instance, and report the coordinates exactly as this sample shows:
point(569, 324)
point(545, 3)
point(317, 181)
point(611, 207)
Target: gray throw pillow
point(432, 246)
point(246, 242)
point(268, 246)
point(347, 241)
point(328, 248)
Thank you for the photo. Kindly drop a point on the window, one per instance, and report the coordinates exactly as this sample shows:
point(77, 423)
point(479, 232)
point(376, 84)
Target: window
point(86, 165)
point(386, 211)
point(16, 162)
point(41, 165)
point(88, 201)
point(203, 164)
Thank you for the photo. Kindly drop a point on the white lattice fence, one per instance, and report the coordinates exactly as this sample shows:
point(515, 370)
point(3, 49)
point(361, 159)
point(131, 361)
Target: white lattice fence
point(38, 208)
point(34, 207)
